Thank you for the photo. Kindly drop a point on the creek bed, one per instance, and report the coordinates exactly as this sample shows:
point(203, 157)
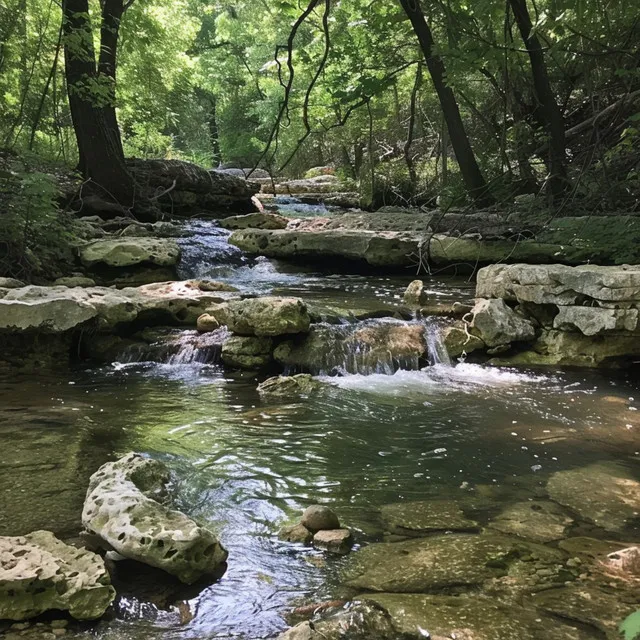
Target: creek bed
point(248, 466)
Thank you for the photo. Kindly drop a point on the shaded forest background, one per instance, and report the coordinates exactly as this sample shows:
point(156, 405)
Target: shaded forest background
point(547, 93)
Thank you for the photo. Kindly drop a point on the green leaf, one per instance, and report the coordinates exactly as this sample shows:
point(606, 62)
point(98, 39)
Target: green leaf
point(630, 628)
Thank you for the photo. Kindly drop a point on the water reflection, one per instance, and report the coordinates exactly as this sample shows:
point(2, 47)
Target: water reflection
point(485, 436)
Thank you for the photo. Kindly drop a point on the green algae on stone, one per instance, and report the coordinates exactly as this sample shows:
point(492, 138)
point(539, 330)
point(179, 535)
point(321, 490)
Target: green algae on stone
point(537, 520)
point(441, 562)
point(421, 518)
point(604, 493)
point(472, 617)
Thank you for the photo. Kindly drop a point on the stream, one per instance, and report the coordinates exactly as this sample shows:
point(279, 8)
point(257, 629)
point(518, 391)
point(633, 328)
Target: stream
point(248, 466)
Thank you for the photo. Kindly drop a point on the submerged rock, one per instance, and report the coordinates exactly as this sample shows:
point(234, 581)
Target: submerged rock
point(604, 493)
point(267, 316)
point(39, 573)
point(122, 509)
point(317, 517)
point(125, 252)
point(538, 520)
point(425, 565)
point(357, 621)
point(468, 617)
point(247, 352)
point(415, 519)
point(284, 386)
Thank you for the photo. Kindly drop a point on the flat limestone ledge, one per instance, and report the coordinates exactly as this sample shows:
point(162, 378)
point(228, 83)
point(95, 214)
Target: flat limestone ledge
point(609, 287)
point(398, 248)
point(60, 309)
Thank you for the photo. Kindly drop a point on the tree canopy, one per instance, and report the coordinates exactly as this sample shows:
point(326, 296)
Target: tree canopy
point(536, 98)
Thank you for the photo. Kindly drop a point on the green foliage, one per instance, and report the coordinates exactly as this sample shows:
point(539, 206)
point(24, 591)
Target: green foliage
point(35, 235)
point(197, 79)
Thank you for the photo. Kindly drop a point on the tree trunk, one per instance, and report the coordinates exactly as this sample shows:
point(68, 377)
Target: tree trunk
point(548, 106)
point(112, 12)
point(471, 174)
point(101, 158)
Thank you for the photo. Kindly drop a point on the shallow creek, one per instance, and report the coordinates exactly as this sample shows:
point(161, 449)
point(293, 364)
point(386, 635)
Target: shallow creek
point(248, 466)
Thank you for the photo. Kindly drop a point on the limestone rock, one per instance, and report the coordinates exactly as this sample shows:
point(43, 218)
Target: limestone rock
point(247, 352)
point(604, 493)
point(438, 562)
point(337, 541)
point(416, 519)
point(559, 284)
point(284, 386)
point(414, 293)
point(39, 573)
point(122, 508)
point(468, 617)
point(59, 309)
point(538, 520)
point(75, 281)
point(11, 283)
point(317, 517)
point(267, 316)
point(593, 321)
point(255, 221)
point(207, 323)
point(125, 252)
point(458, 341)
point(358, 621)
point(497, 324)
point(296, 533)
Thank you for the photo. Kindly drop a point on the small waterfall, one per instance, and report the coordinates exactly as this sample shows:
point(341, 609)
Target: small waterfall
point(291, 205)
point(371, 347)
point(436, 348)
point(178, 348)
point(206, 252)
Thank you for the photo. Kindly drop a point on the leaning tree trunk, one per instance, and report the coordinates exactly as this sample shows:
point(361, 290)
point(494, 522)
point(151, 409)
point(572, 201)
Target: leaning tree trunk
point(548, 107)
point(471, 174)
point(101, 158)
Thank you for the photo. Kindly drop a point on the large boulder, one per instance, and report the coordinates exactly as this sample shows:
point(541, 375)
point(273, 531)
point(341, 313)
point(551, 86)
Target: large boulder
point(604, 493)
point(255, 221)
point(268, 316)
point(247, 352)
point(496, 324)
point(123, 508)
point(425, 565)
point(560, 285)
point(126, 252)
point(416, 519)
point(39, 573)
point(381, 346)
point(179, 187)
point(60, 309)
point(468, 617)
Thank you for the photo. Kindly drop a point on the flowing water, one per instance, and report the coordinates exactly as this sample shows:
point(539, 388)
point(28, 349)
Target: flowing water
point(248, 466)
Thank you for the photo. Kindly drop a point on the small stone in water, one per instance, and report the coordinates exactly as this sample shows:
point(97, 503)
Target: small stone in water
point(335, 540)
point(318, 518)
point(296, 533)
